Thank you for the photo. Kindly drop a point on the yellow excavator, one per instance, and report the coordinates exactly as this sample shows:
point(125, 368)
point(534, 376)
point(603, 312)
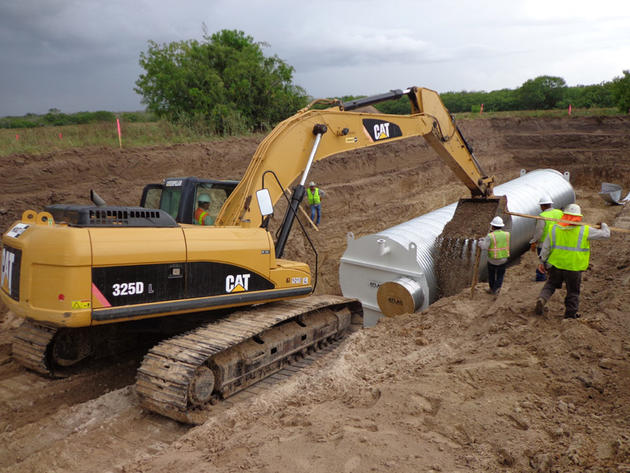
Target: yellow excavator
point(91, 279)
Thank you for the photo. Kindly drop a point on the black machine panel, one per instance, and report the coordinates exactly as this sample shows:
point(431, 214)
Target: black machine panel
point(213, 279)
point(380, 130)
point(128, 285)
point(11, 265)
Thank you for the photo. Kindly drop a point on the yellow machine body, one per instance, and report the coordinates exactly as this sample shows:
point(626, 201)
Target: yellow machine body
point(68, 276)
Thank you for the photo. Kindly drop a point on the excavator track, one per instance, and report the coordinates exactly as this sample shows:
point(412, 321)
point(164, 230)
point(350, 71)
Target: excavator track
point(181, 377)
point(30, 346)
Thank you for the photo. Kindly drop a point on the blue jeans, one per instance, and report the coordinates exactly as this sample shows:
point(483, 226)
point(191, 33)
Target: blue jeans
point(495, 276)
point(316, 208)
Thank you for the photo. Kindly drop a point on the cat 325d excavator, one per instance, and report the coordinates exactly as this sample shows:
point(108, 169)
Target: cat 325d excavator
point(85, 277)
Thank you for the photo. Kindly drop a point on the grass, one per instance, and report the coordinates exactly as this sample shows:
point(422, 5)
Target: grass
point(556, 113)
point(52, 138)
point(45, 139)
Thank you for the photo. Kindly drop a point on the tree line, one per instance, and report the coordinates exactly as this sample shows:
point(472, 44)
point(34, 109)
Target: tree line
point(545, 93)
point(56, 117)
point(541, 93)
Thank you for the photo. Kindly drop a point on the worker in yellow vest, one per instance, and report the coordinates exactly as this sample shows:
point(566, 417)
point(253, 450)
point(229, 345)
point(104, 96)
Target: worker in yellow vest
point(542, 229)
point(564, 256)
point(314, 197)
point(202, 215)
point(497, 242)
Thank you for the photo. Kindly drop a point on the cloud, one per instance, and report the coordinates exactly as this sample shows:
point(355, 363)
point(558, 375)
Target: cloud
point(83, 54)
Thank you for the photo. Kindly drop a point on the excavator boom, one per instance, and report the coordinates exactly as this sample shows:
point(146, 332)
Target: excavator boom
point(312, 135)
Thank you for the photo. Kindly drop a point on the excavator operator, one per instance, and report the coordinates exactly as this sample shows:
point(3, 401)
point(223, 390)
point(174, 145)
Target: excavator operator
point(202, 215)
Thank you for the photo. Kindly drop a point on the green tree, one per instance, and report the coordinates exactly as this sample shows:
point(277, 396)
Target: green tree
point(501, 100)
point(224, 82)
point(400, 106)
point(587, 96)
point(620, 89)
point(542, 93)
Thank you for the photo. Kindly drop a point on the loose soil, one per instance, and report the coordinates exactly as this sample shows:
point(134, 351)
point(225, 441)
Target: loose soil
point(477, 384)
point(454, 251)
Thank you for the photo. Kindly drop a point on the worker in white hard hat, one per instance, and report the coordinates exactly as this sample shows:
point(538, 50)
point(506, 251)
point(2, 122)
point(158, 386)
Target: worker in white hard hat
point(542, 229)
point(314, 198)
point(564, 256)
point(497, 243)
point(202, 214)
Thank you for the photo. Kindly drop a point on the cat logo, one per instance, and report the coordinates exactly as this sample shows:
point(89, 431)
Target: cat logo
point(238, 283)
point(379, 130)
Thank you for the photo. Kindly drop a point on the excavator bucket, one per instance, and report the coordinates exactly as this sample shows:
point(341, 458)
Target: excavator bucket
point(456, 246)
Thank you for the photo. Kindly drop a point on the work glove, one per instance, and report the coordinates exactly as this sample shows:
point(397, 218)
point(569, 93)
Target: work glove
point(542, 269)
point(532, 246)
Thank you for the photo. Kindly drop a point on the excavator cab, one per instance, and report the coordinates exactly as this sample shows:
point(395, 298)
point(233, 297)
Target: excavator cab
point(179, 196)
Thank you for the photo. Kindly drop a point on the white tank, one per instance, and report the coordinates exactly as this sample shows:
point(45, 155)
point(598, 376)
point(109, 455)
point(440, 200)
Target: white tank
point(401, 258)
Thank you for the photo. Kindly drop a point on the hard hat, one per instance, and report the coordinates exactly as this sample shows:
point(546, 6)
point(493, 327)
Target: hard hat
point(573, 209)
point(545, 200)
point(311, 184)
point(203, 198)
point(497, 222)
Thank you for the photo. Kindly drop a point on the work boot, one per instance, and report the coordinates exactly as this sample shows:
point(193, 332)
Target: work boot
point(540, 306)
point(571, 316)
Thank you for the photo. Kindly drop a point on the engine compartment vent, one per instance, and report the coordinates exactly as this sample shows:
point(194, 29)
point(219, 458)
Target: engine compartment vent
point(109, 216)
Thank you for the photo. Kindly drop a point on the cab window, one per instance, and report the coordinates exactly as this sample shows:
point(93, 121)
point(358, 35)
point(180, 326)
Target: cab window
point(169, 200)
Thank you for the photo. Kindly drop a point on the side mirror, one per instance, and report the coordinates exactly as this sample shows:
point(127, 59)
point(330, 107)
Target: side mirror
point(264, 202)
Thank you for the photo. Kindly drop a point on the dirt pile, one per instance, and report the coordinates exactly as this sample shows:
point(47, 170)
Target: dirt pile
point(467, 385)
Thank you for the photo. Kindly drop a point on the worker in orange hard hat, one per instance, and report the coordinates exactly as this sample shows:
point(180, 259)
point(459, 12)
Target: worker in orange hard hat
point(565, 256)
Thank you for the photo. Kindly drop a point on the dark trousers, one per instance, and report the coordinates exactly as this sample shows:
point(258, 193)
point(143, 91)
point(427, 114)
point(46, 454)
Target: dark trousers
point(573, 281)
point(495, 276)
point(540, 276)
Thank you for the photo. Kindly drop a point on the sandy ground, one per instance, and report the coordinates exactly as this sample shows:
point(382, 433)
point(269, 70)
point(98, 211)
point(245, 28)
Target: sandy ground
point(467, 385)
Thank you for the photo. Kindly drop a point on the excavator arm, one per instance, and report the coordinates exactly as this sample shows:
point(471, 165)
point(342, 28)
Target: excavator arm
point(312, 135)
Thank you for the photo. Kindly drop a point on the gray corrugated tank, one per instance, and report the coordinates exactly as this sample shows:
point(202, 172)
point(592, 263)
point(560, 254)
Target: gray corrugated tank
point(402, 256)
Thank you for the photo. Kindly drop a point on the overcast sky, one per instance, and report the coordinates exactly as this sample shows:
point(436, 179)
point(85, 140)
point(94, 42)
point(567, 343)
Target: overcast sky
point(82, 55)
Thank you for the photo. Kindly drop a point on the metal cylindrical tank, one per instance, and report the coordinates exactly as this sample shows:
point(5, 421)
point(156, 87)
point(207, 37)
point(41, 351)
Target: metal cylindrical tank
point(402, 257)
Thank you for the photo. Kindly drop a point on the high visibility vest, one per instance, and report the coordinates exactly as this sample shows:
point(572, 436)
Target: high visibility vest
point(499, 244)
point(313, 197)
point(550, 213)
point(570, 248)
point(200, 216)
